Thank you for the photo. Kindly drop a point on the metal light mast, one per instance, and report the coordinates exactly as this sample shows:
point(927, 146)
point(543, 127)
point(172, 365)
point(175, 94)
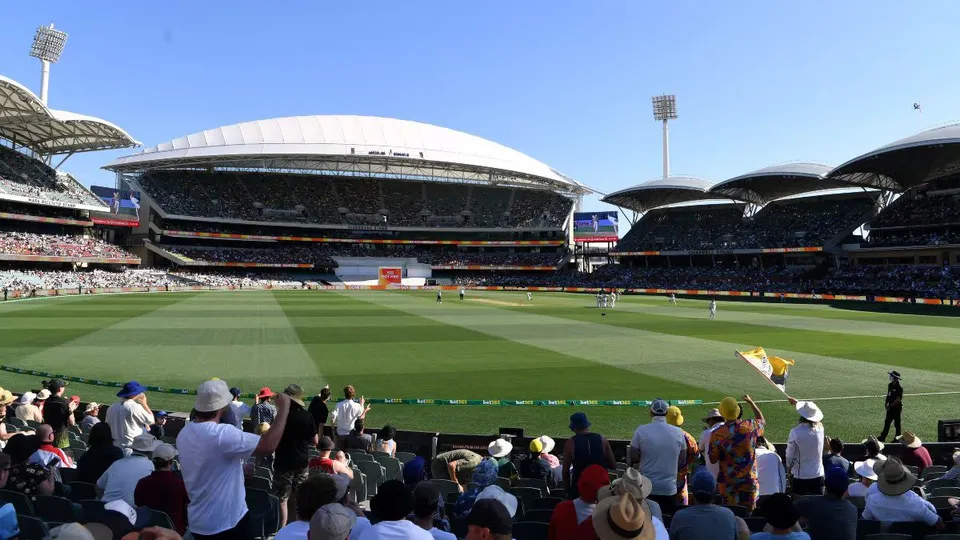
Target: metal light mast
point(664, 110)
point(47, 46)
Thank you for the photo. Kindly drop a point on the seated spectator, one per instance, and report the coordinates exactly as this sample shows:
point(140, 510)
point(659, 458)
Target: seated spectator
point(916, 454)
point(770, 471)
point(100, 454)
point(621, 517)
point(508, 500)
point(20, 448)
point(782, 520)
point(456, 465)
point(830, 516)
point(91, 416)
point(8, 514)
point(483, 475)
point(31, 479)
point(385, 443)
point(357, 439)
point(500, 450)
point(547, 452)
point(637, 485)
point(159, 429)
point(391, 506)
point(6, 398)
point(28, 409)
point(704, 520)
point(867, 477)
point(120, 519)
point(332, 522)
point(119, 481)
point(570, 519)
point(131, 415)
point(327, 463)
point(313, 493)
point(833, 458)
point(211, 460)
point(954, 472)
point(414, 472)
point(427, 509)
point(163, 489)
point(874, 448)
point(49, 455)
point(489, 520)
point(893, 500)
point(536, 467)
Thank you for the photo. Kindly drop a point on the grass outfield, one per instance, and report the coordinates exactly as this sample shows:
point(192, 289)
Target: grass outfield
point(495, 345)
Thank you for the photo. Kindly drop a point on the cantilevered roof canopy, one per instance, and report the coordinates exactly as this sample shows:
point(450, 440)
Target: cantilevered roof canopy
point(29, 123)
point(661, 192)
point(906, 163)
point(777, 181)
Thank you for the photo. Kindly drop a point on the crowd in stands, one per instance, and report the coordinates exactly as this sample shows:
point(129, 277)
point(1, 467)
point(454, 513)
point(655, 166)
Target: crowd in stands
point(304, 467)
point(26, 280)
point(38, 210)
point(58, 245)
point(297, 198)
point(243, 280)
point(27, 177)
point(285, 254)
point(918, 219)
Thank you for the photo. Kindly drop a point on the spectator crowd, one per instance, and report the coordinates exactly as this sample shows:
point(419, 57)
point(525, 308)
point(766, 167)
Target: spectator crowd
point(58, 245)
point(28, 177)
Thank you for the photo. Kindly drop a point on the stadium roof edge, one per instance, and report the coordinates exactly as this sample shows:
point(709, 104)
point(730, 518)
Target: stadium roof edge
point(25, 120)
point(777, 181)
point(349, 143)
point(661, 192)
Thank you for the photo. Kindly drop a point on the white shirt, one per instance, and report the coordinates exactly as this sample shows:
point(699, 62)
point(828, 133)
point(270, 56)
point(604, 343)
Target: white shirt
point(399, 530)
point(241, 410)
point(714, 468)
point(127, 419)
point(906, 507)
point(660, 446)
point(345, 415)
point(361, 527)
point(857, 490)
point(770, 472)
point(583, 509)
point(211, 459)
point(297, 530)
point(441, 535)
point(120, 479)
point(805, 451)
point(659, 529)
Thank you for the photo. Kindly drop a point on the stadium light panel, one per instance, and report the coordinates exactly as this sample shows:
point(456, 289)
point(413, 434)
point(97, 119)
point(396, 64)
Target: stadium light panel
point(48, 44)
point(665, 107)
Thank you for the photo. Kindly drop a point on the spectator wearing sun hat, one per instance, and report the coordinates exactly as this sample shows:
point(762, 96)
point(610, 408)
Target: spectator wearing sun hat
point(660, 449)
point(804, 455)
point(500, 451)
point(635, 483)
point(483, 475)
point(131, 416)
point(915, 453)
point(691, 454)
point(91, 416)
point(703, 520)
point(163, 489)
point(262, 411)
point(120, 479)
point(829, 516)
point(622, 517)
point(211, 460)
point(6, 398)
point(581, 450)
point(712, 420)
point(893, 499)
point(733, 448)
point(868, 476)
point(27, 409)
point(570, 519)
point(536, 466)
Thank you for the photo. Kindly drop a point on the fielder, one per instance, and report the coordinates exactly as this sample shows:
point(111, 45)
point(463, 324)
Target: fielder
point(462, 292)
point(673, 299)
point(613, 299)
point(713, 309)
point(529, 297)
point(599, 299)
point(439, 296)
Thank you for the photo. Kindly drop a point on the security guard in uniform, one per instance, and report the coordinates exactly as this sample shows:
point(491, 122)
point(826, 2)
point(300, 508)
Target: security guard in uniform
point(894, 406)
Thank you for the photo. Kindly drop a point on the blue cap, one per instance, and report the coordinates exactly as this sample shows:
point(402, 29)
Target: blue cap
point(703, 482)
point(161, 414)
point(836, 479)
point(579, 421)
point(235, 392)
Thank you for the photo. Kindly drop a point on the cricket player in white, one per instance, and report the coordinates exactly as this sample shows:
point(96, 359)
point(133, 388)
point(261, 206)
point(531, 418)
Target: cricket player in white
point(599, 299)
point(462, 292)
point(439, 296)
point(713, 309)
point(613, 299)
point(673, 299)
point(529, 297)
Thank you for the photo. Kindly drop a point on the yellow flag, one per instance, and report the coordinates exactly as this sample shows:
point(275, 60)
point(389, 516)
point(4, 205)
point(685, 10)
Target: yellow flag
point(773, 368)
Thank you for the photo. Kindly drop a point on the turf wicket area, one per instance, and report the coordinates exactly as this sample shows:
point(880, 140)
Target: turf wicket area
point(494, 345)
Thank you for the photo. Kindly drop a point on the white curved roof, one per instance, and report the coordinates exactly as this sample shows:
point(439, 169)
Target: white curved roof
point(778, 181)
point(332, 137)
point(26, 120)
point(661, 192)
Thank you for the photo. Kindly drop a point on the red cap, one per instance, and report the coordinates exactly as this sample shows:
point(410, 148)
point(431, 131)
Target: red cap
point(75, 399)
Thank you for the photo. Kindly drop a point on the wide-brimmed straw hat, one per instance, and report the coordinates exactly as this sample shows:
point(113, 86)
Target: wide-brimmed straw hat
point(6, 397)
point(893, 478)
point(712, 414)
point(809, 411)
point(622, 518)
point(631, 482)
point(910, 440)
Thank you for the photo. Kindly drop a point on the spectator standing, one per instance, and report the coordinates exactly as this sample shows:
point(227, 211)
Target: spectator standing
point(690, 454)
point(131, 416)
point(703, 520)
point(782, 517)
point(163, 489)
point(91, 416)
point(211, 460)
point(868, 476)
point(830, 516)
point(456, 465)
point(314, 493)
point(159, 428)
point(770, 472)
point(391, 506)
point(28, 409)
point(319, 408)
point(292, 456)
point(893, 501)
point(571, 519)
point(805, 450)
point(427, 508)
point(347, 412)
point(713, 420)
point(358, 440)
point(733, 448)
point(385, 442)
point(263, 411)
point(582, 450)
point(660, 450)
point(485, 474)
point(500, 451)
point(916, 454)
point(327, 464)
point(333, 522)
point(119, 481)
point(240, 409)
point(100, 454)
point(833, 458)
point(58, 413)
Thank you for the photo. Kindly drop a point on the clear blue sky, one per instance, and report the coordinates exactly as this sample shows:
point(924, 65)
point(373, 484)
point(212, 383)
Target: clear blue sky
point(569, 83)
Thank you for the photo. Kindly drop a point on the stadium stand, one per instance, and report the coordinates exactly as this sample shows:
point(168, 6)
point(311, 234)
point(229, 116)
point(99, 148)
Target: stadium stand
point(24, 176)
point(58, 245)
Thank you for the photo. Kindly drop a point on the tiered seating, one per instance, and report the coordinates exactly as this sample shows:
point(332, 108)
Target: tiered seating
point(27, 177)
point(682, 230)
point(780, 224)
point(538, 209)
point(58, 245)
point(920, 219)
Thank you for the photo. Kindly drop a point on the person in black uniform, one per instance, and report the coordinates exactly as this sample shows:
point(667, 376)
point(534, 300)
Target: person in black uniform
point(894, 406)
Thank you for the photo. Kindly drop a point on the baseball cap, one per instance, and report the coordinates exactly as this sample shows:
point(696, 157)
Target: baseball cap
point(490, 514)
point(122, 519)
point(54, 385)
point(703, 482)
point(165, 452)
point(836, 480)
point(659, 407)
point(326, 443)
point(332, 522)
point(235, 392)
point(161, 414)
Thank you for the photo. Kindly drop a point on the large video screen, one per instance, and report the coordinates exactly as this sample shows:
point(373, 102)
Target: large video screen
point(124, 207)
point(596, 226)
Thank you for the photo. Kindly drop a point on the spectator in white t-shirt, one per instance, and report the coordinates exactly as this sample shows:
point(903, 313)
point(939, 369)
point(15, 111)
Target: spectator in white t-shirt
point(867, 477)
point(892, 500)
point(347, 412)
point(212, 461)
point(391, 506)
point(120, 479)
point(770, 472)
point(713, 420)
point(314, 492)
point(661, 450)
point(131, 416)
point(805, 450)
point(240, 409)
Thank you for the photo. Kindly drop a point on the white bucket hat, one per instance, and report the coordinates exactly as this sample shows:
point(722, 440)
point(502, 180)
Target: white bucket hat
point(548, 443)
point(27, 398)
point(497, 493)
point(500, 448)
point(810, 411)
point(212, 396)
point(865, 469)
point(144, 443)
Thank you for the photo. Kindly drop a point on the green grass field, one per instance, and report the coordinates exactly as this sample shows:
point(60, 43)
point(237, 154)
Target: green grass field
point(493, 346)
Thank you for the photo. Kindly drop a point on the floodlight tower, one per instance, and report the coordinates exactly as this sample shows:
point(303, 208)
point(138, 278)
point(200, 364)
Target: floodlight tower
point(47, 46)
point(664, 110)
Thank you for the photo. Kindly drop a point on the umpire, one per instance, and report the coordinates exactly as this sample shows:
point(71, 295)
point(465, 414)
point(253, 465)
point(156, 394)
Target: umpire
point(894, 406)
